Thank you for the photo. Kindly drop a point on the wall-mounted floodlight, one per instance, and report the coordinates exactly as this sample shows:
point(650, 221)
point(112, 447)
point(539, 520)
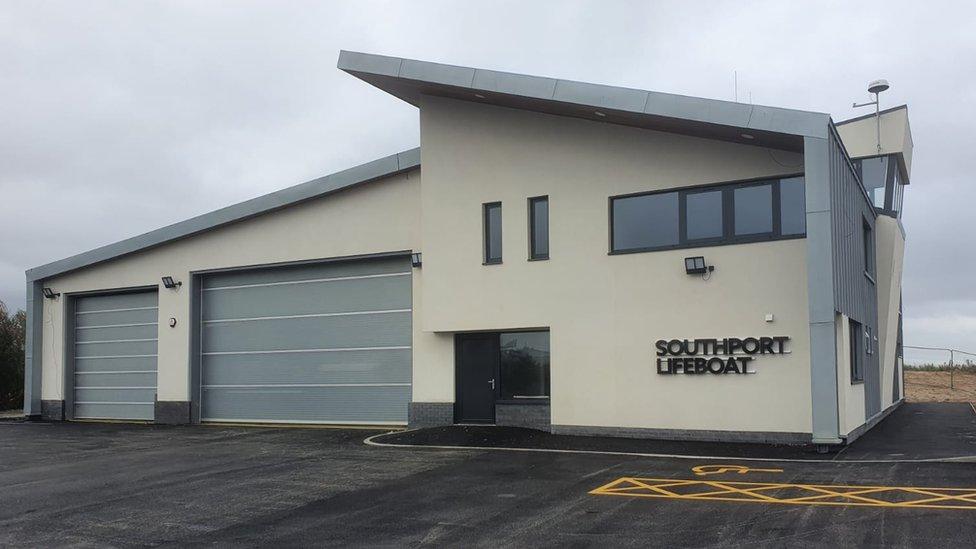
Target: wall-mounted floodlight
point(170, 283)
point(415, 259)
point(50, 294)
point(696, 265)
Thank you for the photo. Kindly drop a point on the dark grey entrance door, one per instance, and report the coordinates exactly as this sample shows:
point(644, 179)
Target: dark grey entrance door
point(477, 378)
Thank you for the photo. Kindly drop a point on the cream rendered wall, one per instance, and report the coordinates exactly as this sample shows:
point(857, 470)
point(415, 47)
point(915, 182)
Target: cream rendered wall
point(850, 396)
point(890, 252)
point(377, 217)
point(605, 312)
point(861, 136)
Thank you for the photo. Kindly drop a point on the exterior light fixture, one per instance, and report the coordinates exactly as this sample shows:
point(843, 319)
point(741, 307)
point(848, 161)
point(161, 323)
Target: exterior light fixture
point(600, 114)
point(696, 265)
point(747, 136)
point(479, 96)
point(170, 283)
point(415, 259)
point(50, 294)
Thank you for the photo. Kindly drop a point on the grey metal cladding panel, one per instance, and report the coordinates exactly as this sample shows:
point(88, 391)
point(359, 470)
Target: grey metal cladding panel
point(423, 71)
point(373, 64)
point(311, 404)
point(115, 394)
point(116, 380)
point(514, 84)
point(697, 108)
point(343, 332)
point(385, 366)
point(309, 272)
point(420, 77)
point(854, 294)
point(116, 301)
point(600, 96)
point(141, 411)
point(328, 297)
point(112, 318)
point(109, 364)
point(292, 195)
point(147, 331)
point(115, 348)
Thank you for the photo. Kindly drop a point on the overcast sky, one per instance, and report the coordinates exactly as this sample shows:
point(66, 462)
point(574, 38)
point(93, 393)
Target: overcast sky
point(120, 117)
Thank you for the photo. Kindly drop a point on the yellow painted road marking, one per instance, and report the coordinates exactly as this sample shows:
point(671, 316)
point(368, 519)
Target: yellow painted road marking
point(791, 494)
point(702, 470)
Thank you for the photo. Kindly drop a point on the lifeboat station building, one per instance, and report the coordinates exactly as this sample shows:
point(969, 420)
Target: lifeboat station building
point(564, 256)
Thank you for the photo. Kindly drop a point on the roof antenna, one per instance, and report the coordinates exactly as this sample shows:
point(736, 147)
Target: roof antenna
point(735, 85)
point(875, 87)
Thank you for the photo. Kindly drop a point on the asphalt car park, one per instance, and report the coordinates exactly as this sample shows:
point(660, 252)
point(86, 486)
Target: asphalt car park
point(136, 485)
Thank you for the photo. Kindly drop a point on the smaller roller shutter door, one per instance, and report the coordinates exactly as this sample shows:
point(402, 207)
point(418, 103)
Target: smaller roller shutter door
point(115, 356)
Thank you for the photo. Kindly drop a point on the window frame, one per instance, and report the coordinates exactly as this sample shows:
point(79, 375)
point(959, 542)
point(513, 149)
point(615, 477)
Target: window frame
point(486, 230)
point(728, 215)
point(533, 255)
point(856, 352)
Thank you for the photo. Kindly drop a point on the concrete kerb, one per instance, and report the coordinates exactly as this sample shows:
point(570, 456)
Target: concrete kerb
point(370, 441)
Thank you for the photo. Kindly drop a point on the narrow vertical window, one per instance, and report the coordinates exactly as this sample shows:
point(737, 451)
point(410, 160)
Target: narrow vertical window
point(539, 227)
point(868, 250)
point(493, 233)
point(855, 335)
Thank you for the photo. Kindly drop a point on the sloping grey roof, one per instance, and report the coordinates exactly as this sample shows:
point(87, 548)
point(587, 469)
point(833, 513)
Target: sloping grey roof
point(409, 79)
point(364, 173)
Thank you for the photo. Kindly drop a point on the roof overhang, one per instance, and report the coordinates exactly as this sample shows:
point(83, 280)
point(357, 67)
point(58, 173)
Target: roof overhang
point(409, 79)
point(364, 173)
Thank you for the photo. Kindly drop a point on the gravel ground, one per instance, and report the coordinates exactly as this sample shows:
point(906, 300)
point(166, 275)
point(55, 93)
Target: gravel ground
point(934, 387)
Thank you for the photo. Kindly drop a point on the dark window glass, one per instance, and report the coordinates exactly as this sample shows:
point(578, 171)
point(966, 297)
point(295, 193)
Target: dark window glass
point(493, 232)
point(868, 249)
point(539, 227)
point(703, 214)
point(899, 191)
point(753, 209)
point(874, 175)
point(524, 365)
point(792, 206)
point(857, 370)
point(647, 221)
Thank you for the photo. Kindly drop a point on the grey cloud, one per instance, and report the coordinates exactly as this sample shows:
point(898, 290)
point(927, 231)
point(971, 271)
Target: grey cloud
point(120, 117)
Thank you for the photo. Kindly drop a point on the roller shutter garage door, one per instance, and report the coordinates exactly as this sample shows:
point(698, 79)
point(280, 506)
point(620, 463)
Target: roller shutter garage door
point(320, 343)
point(115, 356)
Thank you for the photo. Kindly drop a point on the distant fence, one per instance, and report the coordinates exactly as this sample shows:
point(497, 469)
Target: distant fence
point(968, 366)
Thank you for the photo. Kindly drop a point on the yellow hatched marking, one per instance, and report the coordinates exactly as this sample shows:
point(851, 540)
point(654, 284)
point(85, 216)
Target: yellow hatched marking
point(810, 494)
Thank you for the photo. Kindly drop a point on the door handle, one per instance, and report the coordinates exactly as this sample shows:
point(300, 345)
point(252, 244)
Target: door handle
point(492, 383)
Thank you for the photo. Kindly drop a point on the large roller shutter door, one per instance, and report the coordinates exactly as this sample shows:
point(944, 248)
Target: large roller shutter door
point(114, 356)
point(321, 343)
